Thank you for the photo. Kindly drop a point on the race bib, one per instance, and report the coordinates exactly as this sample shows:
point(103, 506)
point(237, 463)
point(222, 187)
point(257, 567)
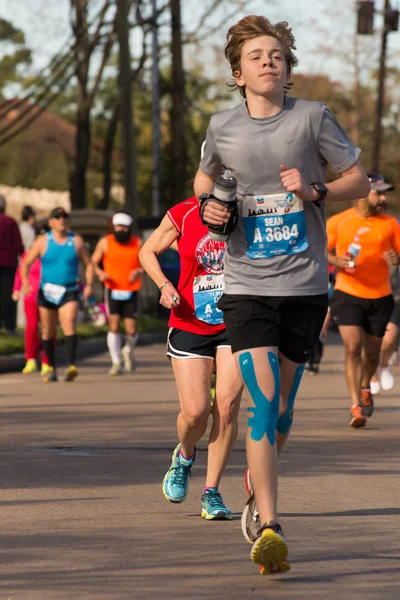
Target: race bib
point(207, 290)
point(274, 225)
point(121, 294)
point(53, 293)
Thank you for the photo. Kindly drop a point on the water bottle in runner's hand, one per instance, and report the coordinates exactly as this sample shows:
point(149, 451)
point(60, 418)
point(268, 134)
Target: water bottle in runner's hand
point(225, 190)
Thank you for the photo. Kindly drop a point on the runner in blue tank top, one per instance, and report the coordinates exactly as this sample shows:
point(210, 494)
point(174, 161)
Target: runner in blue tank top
point(60, 251)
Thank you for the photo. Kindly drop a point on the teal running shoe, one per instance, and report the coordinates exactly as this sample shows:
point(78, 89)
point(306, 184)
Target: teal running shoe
point(175, 484)
point(213, 507)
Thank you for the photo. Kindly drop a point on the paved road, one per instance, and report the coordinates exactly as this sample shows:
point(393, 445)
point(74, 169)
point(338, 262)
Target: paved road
point(83, 516)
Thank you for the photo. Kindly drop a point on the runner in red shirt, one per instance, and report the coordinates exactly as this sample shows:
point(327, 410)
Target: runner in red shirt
point(196, 340)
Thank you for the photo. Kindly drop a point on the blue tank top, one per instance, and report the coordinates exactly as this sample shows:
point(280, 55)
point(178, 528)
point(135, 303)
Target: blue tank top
point(60, 262)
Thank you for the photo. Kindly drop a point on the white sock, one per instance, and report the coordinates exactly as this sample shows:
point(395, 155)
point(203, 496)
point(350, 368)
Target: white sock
point(114, 347)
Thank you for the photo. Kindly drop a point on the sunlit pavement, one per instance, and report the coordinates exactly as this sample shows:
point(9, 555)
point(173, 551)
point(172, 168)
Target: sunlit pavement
point(83, 515)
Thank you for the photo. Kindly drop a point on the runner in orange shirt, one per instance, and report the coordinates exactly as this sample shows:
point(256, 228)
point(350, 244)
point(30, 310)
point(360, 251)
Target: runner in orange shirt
point(121, 273)
point(367, 241)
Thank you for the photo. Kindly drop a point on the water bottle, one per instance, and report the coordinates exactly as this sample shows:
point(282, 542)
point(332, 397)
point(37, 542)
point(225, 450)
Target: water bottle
point(353, 251)
point(225, 190)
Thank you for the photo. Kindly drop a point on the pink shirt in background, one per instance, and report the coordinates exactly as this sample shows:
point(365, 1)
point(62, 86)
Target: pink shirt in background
point(34, 277)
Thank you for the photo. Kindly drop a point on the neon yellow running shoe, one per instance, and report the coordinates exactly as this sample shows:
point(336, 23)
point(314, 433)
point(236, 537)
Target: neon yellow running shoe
point(45, 369)
point(115, 370)
point(71, 373)
point(30, 367)
point(270, 550)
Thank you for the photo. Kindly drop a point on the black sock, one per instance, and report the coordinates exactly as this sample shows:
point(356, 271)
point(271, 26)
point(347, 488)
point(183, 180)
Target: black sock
point(71, 342)
point(48, 347)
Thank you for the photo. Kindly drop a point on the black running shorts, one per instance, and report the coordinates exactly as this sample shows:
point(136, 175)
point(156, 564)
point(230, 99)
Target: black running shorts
point(292, 323)
point(72, 296)
point(371, 315)
point(184, 344)
point(126, 309)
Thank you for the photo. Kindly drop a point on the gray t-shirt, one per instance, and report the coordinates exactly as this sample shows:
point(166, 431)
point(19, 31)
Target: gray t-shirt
point(279, 245)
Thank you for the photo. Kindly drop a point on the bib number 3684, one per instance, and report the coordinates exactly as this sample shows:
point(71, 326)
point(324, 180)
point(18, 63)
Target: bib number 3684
point(276, 234)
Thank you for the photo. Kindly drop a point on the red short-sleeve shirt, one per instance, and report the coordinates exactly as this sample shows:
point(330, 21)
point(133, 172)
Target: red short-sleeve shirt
point(201, 257)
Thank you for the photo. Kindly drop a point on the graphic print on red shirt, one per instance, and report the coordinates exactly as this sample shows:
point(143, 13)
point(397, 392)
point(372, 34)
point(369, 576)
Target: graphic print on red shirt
point(201, 277)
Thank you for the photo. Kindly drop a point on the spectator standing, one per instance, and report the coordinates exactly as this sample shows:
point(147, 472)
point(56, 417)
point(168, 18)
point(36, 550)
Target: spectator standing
point(26, 228)
point(11, 248)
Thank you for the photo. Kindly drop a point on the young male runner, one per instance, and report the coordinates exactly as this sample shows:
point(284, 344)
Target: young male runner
point(367, 241)
point(118, 253)
point(276, 269)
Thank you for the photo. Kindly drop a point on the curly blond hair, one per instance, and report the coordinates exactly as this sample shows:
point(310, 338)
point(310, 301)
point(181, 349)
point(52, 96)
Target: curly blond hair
point(249, 28)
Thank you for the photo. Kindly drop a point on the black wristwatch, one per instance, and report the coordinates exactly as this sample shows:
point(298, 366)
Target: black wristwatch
point(321, 189)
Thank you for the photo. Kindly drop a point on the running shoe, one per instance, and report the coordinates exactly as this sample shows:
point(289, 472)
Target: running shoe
point(44, 369)
point(129, 359)
point(175, 485)
point(30, 367)
point(270, 550)
point(71, 373)
point(387, 379)
point(116, 370)
point(367, 402)
point(50, 375)
point(375, 387)
point(213, 507)
point(357, 418)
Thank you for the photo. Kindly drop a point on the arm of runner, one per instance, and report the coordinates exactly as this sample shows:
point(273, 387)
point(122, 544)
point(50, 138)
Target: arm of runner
point(84, 256)
point(97, 257)
point(352, 184)
point(331, 231)
point(136, 273)
point(34, 252)
point(159, 241)
point(392, 256)
point(214, 213)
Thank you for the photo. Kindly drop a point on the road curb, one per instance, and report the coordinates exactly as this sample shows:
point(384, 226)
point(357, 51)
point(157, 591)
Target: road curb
point(86, 348)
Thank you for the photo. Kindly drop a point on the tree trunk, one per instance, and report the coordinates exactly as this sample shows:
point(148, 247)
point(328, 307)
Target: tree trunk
point(178, 143)
point(107, 157)
point(82, 152)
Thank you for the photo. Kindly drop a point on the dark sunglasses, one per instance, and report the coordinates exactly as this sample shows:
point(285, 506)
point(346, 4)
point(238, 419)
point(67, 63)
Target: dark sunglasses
point(61, 216)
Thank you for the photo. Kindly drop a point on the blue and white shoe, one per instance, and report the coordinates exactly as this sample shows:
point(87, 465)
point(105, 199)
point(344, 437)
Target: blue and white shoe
point(213, 507)
point(175, 485)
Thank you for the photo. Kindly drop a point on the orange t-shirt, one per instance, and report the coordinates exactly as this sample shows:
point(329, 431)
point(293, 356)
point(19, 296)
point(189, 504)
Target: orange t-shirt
point(376, 235)
point(118, 261)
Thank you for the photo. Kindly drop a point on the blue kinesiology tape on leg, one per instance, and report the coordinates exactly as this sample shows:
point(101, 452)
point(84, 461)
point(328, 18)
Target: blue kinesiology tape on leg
point(285, 421)
point(265, 412)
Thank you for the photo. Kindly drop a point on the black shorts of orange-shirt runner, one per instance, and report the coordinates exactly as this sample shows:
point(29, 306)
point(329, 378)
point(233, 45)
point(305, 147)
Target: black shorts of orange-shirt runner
point(291, 323)
point(371, 315)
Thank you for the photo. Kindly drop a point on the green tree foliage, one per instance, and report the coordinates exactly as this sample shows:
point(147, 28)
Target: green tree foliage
point(15, 56)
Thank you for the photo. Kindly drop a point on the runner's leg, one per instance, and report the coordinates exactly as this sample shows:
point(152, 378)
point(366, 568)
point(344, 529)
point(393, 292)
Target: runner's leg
point(291, 374)
point(352, 337)
point(68, 314)
point(48, 320)
point(224, 429)
point(192, 376)
point(260, 372)
point(370, 358)
point(389, 343)
point(114, 338)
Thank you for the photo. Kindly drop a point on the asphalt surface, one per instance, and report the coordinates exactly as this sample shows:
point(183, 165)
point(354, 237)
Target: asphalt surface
point(83, 515)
